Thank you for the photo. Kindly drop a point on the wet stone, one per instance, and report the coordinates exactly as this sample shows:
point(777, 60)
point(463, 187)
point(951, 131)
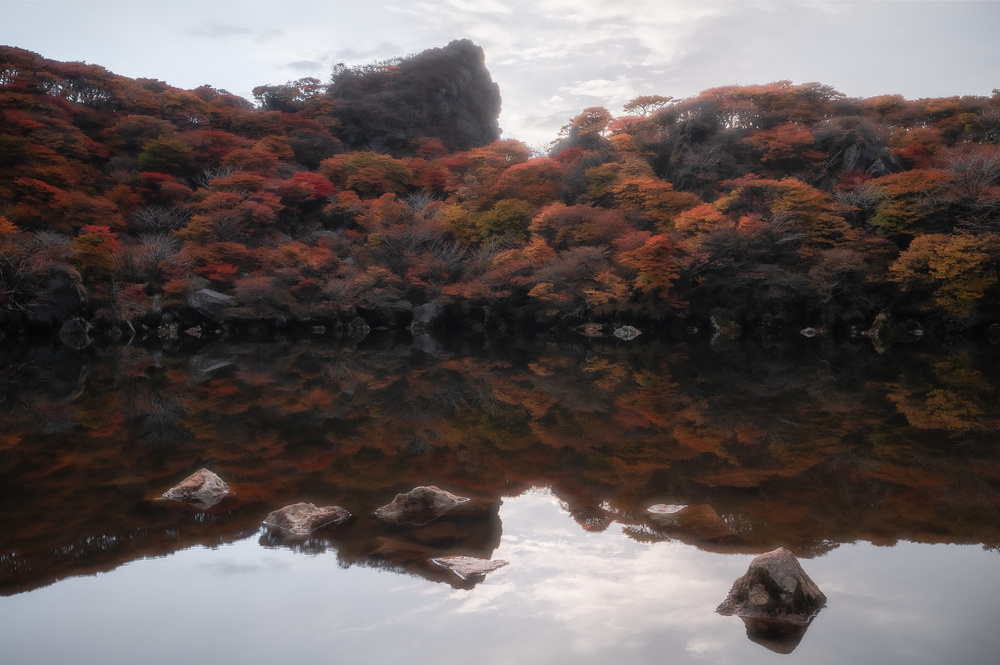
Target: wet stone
point(301, 520)
point(774, 587)
point(202, 488)
point(419, 506)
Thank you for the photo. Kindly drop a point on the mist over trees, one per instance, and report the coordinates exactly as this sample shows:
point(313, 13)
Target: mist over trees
point(387, 187)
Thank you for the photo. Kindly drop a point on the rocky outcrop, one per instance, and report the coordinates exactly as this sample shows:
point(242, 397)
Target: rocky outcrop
point(875, 160)
point(59, 296)
point(442, 93)
point(211, 304)
point(301, 520)
point(419, 506)
point(202, 488)
point(774, 587)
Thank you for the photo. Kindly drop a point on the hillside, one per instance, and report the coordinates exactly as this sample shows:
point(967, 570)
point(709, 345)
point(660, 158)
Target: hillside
point(761, 208)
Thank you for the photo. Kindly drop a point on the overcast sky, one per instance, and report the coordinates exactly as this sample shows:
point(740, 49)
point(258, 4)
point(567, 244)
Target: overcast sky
point(552, 58)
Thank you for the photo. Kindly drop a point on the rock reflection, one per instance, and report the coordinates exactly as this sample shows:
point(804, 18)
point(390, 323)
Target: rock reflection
point(761, 447)
point(778, 635)
point(452, 543)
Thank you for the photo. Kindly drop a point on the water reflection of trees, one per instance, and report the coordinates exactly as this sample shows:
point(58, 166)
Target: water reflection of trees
point(787, 446)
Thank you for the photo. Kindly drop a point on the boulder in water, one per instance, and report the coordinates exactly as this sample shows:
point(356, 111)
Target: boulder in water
point(419, 506)
point(301, 520)
point(774, 587)
point(202, 488)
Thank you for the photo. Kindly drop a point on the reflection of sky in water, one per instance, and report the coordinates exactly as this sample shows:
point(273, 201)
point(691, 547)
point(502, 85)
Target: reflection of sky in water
point(568, 596)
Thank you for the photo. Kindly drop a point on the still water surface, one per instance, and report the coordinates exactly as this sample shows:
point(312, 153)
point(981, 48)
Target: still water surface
point(880, 471)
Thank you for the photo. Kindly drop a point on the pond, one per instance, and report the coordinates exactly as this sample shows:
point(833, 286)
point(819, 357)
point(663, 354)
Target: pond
point(879, 471)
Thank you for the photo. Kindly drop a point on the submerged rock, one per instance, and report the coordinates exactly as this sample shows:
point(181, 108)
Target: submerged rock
point(202, 488)
point(300, 520)
point(75, 333)
point(469, 568)
point(774, 587)
point(590, 330)
point(697, 521)
point(419, 506)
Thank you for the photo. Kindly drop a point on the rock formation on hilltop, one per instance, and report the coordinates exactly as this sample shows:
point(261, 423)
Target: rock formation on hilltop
point(442, 93)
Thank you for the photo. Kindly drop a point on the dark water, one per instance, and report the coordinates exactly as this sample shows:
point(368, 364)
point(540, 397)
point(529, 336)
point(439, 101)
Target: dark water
point(878, 470)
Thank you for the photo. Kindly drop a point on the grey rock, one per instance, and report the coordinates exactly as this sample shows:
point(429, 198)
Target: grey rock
point(428, 344)
point(425, 317)
point(211, 304)
point(202, 488)
point(301, 520)
point(419, 506)
point(627, 333)
point(358, 329)
point(774, 587)
point(212, 358)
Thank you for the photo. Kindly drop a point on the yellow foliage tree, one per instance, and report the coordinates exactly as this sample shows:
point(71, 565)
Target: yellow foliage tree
point(956, 269)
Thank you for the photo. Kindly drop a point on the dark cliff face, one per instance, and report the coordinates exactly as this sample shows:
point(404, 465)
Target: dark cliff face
point(442, 93)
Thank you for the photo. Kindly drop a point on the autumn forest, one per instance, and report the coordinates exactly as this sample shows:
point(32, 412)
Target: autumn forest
point(764, 208)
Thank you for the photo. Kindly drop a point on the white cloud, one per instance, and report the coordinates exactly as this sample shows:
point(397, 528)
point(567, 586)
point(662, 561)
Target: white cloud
point(622, 88)
point(603, 590)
